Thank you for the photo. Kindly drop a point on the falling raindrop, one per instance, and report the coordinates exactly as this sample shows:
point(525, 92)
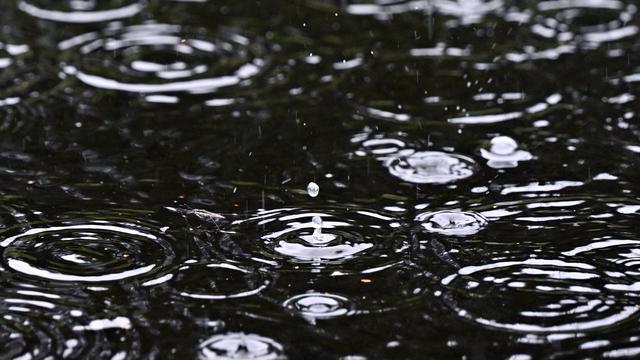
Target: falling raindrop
point(313, 189)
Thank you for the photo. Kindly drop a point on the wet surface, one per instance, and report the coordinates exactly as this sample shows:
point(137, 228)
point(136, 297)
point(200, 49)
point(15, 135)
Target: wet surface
point(319, 179)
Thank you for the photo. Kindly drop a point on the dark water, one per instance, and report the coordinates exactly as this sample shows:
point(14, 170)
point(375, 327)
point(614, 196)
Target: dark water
point(476, 162)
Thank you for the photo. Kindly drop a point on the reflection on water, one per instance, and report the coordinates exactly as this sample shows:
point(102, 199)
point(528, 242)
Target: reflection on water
point(320, 179)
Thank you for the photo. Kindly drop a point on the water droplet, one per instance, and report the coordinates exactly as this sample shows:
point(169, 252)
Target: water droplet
point(241, 346)
point(431, 167)
point(313, 189)
point(453, 223)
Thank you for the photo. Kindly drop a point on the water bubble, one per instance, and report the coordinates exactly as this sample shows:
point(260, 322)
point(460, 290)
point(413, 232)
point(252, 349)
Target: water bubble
point(503, 145)
point(241, 346)
point(314, 305)
point(85, 11)
point(431, 167)
point(504, 153)
point(313, 189)
point(92, 251)
point(452, 223)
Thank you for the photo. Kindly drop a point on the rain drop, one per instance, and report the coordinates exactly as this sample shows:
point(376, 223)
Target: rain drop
point(313, 189)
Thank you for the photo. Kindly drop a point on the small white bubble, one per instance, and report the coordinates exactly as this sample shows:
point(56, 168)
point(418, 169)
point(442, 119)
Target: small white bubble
point(503, 145)
point(313, 189)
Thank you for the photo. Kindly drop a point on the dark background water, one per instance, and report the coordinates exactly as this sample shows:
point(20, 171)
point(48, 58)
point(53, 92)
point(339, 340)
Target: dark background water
point(476, 160)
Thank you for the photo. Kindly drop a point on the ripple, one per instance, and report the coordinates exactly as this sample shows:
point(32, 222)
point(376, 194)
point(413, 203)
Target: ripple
point(217, 281)
point(92, 251)
point(453, 223)
point(81, 11)
point(386, 288)
point(467, 11)
point(161, 59)
point(241, 346)
point(430, 167)
point(428, 85)
point(624, 253)
point(42, 323)
point(503, 153)
point(16, 73)
point(313, 305)
point(561, 296)
point(573, 21)
point(291, 235)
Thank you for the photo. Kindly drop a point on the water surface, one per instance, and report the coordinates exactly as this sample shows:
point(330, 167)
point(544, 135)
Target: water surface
point(354, 179)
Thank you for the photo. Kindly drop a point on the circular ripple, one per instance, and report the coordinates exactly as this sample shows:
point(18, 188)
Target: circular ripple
point(453, 223)
point(319, 305)
point(292, 236)
point(217, 282)
point(81, 11)
point(16, 73)
point(161, 61)
point(537, 296)
point(462, 91)
point(90, 252)
point(623, 253)
point(40, 323)
point(241, 346)
point(585, 22)
point(430, 167)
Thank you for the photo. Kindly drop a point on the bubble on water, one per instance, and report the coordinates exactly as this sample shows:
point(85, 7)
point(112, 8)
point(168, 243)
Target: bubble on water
point(241, 346)
point(315, 305)
point(313, 189)
point(503, 145)
point(503, 153)
point(92, 251)
point(81, 11)
point(453, 223)
point(431, 167)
